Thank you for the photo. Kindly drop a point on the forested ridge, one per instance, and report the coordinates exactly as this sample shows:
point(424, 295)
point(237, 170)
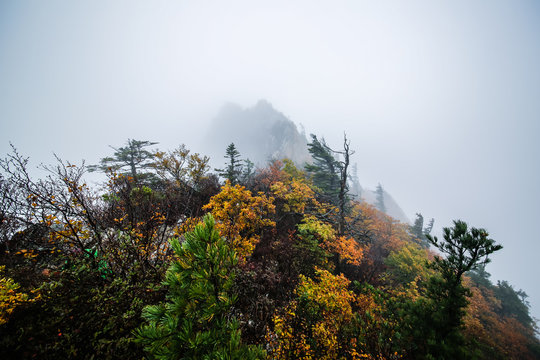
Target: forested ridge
point(170, 259)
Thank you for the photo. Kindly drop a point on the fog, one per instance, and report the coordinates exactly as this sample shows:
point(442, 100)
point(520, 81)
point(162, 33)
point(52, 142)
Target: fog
point(440, 101)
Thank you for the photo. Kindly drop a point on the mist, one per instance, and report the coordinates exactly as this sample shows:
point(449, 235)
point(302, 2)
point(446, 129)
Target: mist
point(440, 101)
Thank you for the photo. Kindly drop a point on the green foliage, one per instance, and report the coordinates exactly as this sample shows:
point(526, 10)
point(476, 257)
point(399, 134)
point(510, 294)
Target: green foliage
point(356, 188)
point(247, 171)
point(196, 322)
point(465, 249)
point(292, 171)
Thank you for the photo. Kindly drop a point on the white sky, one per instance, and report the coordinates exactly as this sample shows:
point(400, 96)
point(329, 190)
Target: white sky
point(439, 99)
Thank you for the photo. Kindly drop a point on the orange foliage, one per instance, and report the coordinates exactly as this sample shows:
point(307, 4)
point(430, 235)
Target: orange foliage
point(348, 249)
point(502, 334)
point(390, 233)
point(271, 174)
point(382, 233)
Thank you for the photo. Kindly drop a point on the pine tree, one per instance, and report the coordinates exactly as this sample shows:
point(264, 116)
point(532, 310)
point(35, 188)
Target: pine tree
point(419, 232)
point(233, 171)
point(438, 318)
point(417, 228)
point(196, 321)
point(128, 160)
point(429, 227)
point(331, 175)
point(325, 169)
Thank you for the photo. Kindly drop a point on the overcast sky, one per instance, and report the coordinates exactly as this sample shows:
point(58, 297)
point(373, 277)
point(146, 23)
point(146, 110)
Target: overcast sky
point(440, 99)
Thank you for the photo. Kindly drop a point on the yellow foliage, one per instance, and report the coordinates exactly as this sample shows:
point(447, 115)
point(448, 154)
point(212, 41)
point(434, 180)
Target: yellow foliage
point(297, 195)
point(10, 297)
point(240, 216)
point(322, 230)
point(311, 325)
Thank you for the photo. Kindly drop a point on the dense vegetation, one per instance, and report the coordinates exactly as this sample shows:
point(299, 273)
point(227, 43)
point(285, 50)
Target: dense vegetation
point(163, 260)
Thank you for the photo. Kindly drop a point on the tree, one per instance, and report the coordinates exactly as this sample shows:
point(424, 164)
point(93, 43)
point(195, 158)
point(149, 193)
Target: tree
point(439, 329)
point(184, 177)
point(331, 175)
point(196, 321)
point(233, 171)
point(465, 249)
point(343, 184)
point(429, 227)
point(128, 160)
point(325, 168)
point(180, 166)
point(380, 199)
point(318, 236)
point(499, 334)
point(61, 204)
point(417, 228)
point(419, 232)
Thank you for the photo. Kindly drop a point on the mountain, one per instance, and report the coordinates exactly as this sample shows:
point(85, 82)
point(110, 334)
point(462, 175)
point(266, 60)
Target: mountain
point(261, 133)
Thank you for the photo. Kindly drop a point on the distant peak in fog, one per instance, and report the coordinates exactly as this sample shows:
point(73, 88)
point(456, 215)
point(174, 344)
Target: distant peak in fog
point(261, 133)
point(263, 103)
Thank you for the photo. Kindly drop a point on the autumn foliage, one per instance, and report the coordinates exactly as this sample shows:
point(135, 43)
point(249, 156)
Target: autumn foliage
point(313, 324)
point(285, 265)
point(241, 216)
